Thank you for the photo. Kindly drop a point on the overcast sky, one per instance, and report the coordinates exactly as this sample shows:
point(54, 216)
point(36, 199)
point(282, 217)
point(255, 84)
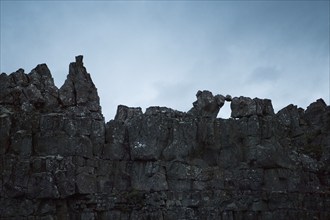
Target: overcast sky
point(161, 53)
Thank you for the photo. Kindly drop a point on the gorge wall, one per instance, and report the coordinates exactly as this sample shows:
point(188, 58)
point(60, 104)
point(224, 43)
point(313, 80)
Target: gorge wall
point(60, 160)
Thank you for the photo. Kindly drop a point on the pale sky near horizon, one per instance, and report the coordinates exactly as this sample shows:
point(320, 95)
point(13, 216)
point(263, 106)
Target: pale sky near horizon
point(146, 53)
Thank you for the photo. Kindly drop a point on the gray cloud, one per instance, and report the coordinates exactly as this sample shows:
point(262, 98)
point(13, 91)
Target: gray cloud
point(265, 74)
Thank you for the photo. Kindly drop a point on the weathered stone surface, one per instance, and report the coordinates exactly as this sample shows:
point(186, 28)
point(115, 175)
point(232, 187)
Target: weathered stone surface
point(207, 105)
point(5, 125)
point(59, 160)
point(86, 183)
point(182, 140)
point(314, 111)
point(127, 113)
point(78, 88)
point(116, 146)
point(245, 107)
point(148, 136)
point(148, 176)
point(30, 92)
point(42, 185)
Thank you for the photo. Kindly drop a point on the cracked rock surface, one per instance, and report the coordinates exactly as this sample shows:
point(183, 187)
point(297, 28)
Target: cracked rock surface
point(59, 159)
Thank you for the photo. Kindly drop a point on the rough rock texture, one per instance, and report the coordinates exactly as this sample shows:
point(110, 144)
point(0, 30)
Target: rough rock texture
point(59, 160)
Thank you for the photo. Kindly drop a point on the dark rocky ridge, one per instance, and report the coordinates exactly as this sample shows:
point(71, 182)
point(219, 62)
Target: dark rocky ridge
point(59, 160)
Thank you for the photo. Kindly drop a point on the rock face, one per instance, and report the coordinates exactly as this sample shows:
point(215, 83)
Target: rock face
point(78, 88)
point(60, 160)
point(207, 105)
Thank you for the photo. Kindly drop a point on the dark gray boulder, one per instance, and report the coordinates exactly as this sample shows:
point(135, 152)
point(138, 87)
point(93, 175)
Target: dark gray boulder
point(126, 113)
point(245, 107)
point(207, 105)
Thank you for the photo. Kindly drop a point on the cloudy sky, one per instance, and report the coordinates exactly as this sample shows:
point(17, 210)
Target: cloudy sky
point(161, 53)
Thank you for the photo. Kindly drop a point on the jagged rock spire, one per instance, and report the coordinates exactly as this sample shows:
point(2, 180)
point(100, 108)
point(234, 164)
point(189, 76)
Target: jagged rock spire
point(78, 88)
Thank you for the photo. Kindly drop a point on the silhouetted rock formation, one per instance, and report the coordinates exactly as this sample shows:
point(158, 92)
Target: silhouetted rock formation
point(59, 160)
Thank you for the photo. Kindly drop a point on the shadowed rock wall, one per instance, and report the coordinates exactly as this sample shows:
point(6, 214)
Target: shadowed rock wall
point(59, 160)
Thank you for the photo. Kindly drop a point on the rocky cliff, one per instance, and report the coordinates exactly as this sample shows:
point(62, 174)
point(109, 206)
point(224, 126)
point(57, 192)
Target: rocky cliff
point(60, 160)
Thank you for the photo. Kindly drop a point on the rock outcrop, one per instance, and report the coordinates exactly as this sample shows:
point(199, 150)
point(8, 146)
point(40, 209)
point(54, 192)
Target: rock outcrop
point(60, 160)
